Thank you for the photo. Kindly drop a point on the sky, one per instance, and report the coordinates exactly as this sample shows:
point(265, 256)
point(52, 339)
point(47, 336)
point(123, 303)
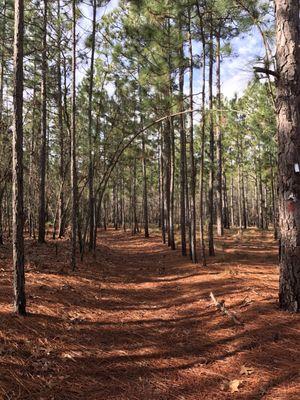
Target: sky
point(236, 70)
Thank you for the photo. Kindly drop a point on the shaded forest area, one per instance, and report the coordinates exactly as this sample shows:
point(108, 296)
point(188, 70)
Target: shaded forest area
point(142, 207)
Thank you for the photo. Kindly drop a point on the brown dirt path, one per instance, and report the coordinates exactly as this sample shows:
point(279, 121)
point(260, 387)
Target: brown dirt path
point(137, 323)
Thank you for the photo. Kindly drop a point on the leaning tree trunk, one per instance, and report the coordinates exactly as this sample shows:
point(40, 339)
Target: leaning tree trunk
point(288, 123)
point(17, 186)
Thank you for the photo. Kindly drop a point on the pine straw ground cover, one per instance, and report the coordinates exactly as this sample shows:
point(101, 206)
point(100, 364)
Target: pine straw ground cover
point(137, 323)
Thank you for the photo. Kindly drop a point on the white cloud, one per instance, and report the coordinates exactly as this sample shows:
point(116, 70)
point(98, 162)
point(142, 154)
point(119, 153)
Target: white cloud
point(238, 71)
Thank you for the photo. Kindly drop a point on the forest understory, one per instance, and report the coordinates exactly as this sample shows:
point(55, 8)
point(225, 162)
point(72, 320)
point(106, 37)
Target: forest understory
point(137, 322)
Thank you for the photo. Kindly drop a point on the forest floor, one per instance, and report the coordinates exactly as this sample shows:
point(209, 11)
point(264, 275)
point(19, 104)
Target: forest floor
point(136, 322)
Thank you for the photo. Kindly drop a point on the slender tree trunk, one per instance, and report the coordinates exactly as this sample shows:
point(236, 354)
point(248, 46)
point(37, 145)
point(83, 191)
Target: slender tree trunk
point(43, 153)
point(225, 202)
point(17, 187)
point(273, 197)
point(2, 62)
point(232, 201)
point(182, 156)
point(167, 176)
point(144, 167)
point(203, 127)
point(244, 205)
point(261, 198)
point(240, 207)
point(31, 160)
point(219, 206)
point(61, 207)
point(193, 242)
point(172, 184)
point(1, 215)
point(288, 121)
point(145, 188)
point(135, 227)
point(2, 67)
point(171, 149)
point(73, 142)
point(91, 157)
point(162, 188)
point(211, 247)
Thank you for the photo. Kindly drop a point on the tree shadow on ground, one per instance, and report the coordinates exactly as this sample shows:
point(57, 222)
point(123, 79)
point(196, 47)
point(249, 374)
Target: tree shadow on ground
point(136, 322)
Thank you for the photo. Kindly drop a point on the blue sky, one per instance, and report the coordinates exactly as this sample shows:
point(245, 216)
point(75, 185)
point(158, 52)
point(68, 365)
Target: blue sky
point(237, 70)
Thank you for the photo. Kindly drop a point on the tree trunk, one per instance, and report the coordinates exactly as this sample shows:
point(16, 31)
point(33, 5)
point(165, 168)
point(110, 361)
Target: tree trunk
point(219, 206)
point(2, 62)
point(232, 215)
point(91, 156)
point(203, 127)
point(1, 215)
point(61, 207)
point(17, 187)
point(261, 198)
point(182, 156)
point(167, 175)
point(162, 188)
point(73, 142)
point(172, 184)
point(135, 227)
point(273, 197)
point(244, 205)
point(193, 242)
point(43, 153)
point(211, 248)
point(288, 120)
point(225, 202)
point(145, 188)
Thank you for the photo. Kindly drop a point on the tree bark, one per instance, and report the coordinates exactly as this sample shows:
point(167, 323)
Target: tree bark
point(43, 152)
point(193, 242)
point(61, 207)
point(182, 155)
point(73, 142)
point(203, 127)
point(219, 205)
point(145, 188)
point(172, 184)
point(211, 248)
point(288, 122)
point(162, 187)
point(91, 156)
point(17, 187)
point(135, 227)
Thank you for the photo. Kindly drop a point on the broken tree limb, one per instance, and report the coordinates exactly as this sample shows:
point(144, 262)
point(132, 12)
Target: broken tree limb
point(221, 307)
point(266, 71)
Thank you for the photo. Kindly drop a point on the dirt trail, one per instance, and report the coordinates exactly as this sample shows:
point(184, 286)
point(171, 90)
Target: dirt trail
point(137, 323)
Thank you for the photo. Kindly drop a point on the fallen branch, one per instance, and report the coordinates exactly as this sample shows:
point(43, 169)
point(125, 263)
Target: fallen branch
point(221, 307)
